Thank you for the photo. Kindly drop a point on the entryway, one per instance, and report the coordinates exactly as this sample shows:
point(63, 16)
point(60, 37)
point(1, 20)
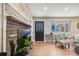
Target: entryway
point(39, 30)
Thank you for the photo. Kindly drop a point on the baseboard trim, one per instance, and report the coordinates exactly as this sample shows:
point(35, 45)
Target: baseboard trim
point(3, 54)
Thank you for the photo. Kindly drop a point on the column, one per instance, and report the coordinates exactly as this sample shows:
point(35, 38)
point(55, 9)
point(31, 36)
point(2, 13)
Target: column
point(2, 29)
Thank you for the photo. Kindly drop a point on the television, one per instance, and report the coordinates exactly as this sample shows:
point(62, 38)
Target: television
point(24, 32)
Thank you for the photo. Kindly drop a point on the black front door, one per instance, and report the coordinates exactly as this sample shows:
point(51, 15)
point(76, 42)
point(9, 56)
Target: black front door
point(39, 30)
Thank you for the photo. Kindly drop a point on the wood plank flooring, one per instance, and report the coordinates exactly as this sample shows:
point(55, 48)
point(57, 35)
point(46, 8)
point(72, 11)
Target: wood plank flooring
point(49, 49)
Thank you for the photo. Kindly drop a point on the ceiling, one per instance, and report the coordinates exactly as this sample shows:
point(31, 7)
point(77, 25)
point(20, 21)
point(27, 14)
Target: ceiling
point(54, 9)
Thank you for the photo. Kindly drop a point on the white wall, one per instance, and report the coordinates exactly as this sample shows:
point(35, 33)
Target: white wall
point(49, 20)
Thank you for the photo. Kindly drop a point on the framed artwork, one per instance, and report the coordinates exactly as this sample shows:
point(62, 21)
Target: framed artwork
point(60, 26)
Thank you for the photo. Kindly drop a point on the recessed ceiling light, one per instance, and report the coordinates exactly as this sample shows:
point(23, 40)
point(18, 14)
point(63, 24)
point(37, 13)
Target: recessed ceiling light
point(45, 8)
point(66, 8)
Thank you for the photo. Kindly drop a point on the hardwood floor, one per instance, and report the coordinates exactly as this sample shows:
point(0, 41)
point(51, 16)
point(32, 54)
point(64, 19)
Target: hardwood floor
point(49, 49)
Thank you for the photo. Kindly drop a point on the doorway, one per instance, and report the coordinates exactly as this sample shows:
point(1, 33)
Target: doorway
point(39, 30)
